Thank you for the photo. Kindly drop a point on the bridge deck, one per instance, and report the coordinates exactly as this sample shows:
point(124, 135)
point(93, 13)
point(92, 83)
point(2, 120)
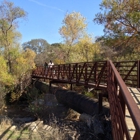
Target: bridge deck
point(135, 92)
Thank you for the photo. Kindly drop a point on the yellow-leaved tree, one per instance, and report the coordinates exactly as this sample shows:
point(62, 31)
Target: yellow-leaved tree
point(6, 80)
point(86, 50)
point(5, 77)
point(78, 44)
point(9, 15)
point(16, 64)
point(23, 66)
point(74, 26)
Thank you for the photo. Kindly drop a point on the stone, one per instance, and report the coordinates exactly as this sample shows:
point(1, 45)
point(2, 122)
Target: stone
point(72, 115)
point(86, 118)
point(97, 126)
point(24, 120)
point(13, 128)
point(50, 100)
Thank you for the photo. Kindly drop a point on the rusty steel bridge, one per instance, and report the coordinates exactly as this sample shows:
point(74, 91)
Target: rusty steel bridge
point(120, 81)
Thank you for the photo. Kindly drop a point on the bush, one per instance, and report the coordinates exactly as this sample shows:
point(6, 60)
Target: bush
point(89, 94)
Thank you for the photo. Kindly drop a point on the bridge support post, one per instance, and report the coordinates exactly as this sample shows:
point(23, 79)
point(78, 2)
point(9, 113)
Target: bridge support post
point(100, 102)
point(70, 86)
point(50, 85)
point(101, 95)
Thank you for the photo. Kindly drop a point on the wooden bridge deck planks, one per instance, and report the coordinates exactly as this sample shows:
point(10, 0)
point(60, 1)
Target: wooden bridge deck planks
point(135, 92)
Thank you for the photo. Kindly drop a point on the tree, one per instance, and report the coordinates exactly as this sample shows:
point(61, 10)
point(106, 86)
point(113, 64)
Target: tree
point(58, 53)
point(121, 20)
point(16, 64)
point(73, 29)
point(6, 78)
point(37, 45)
point(23, 65)
point(9, 15)
point(88, 50)
point(56, 45)
point(41, 47)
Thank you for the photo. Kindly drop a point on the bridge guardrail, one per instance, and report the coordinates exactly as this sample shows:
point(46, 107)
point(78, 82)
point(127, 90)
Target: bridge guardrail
point(91, 72)
point(129, 71)
point(119, 98)
point(87, 74)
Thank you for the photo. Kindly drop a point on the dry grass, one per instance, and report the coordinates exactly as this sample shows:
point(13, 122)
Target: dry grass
point(9, 131)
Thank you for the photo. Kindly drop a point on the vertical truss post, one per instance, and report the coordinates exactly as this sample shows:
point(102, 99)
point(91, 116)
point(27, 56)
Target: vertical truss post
point(50, 85)
point(70, 86)
point(100, 102)
point(138, 74)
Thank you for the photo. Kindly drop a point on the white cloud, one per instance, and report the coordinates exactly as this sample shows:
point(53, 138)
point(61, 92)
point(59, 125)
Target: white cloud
point(42, 4)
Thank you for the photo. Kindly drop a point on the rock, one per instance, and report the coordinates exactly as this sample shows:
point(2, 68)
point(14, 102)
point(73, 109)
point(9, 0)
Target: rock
point(86, 118)
point(97, 126)
point(13, 128)
point(93, 122)
point(24, 120)
point(72, 115)
point(41, 102)
point(50, 100)
point(38, 102)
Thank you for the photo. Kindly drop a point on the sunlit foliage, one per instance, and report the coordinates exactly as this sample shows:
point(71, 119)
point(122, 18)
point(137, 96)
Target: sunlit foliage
point(121, 20)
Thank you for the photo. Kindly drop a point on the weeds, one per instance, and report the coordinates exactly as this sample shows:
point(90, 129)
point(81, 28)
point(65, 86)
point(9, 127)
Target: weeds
point(50, 131)
point(4, 121)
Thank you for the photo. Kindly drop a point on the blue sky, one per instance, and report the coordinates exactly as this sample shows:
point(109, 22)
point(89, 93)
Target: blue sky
point(44, 18)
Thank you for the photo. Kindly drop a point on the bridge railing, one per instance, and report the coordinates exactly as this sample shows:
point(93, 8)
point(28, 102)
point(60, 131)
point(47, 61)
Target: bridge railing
point(119, 98)
point(38, 71)
point(129, 71)
point(92, 72)
point(87, 73)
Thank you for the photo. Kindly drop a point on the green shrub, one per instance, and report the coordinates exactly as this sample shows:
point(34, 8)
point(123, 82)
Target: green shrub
point(89, 94)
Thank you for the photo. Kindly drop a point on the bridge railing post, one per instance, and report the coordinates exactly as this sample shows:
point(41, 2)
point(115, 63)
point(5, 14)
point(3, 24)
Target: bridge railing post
point(86, 74)
point(138, 74)
point(69, 72)
point(95, 73)
point(58, 72)
point(76, 69)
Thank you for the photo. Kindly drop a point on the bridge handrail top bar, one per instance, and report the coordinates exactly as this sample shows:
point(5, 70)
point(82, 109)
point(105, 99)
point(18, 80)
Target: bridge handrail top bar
point(132, 107)
point(90, 62)
point(79, 63)
point(126, 61)
point(74, 63)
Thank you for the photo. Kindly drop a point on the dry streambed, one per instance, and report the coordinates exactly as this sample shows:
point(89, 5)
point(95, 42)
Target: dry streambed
point(54, 122)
